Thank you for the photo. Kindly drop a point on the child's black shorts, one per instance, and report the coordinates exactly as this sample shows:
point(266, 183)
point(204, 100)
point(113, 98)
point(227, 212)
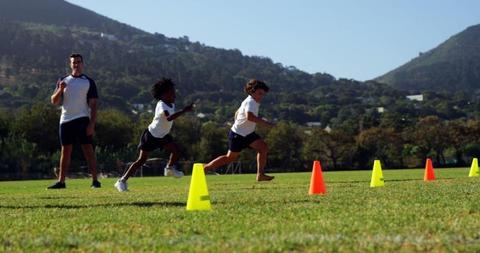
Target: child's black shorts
point(148, 142)
point(75, 131)
point(237, 143)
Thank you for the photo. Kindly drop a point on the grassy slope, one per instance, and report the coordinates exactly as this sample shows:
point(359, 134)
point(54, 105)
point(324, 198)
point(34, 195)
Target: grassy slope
point(451, 65)
point(407, 215)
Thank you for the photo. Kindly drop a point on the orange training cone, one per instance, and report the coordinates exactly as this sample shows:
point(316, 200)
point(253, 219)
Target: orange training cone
point(317, 186)
point(429, 174)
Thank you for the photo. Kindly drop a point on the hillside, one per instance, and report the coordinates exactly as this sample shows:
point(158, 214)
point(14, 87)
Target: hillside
point(59, 13)
point(453, 65)
point(35, 41)
point(37, 36)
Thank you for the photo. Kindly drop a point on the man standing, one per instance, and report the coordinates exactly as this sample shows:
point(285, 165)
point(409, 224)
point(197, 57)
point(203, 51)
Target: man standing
point(77, 94)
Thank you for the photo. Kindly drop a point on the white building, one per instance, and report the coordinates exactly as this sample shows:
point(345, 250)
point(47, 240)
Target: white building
point(108, 36)
point(314, 124)
point(418, 97)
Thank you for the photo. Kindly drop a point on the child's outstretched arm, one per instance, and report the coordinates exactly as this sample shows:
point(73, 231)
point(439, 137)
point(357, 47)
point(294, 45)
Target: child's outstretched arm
point(187, 108)
point(258, 120)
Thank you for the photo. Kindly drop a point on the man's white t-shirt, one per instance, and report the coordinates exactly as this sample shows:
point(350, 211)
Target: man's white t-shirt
point(242, 126)
point(78, 91)
point(160, 126)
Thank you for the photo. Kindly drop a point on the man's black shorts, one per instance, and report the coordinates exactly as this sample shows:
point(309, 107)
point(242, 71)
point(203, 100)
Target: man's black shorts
point(237, 143)
point(75, 131)
point(148, 142)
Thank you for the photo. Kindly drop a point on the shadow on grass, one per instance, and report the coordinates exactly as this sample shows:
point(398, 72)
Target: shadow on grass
point(135, 204)
point(57, 197)
point(260, 187)
point(150, 204)
point(386, 180)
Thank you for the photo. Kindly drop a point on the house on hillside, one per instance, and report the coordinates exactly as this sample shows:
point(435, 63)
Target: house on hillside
point(314, 124)
point(107, 36)
point(138, 108)
point(418, 97)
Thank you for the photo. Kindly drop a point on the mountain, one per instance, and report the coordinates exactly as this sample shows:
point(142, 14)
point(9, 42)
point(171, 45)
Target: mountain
point(453, 65)
point(62, 13)
point(36, 37)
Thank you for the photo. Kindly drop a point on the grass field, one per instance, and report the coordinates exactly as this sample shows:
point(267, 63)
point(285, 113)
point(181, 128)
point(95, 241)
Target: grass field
point(406, 215)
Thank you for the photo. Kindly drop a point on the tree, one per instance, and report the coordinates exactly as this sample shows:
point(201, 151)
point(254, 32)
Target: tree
point(114, 130)
point(5, 122)
point(335, 147)
point(20, 158)
point(429, 134)
point(187, 132)
point(212, 142)
point(284, 145)
point(472, 148)
point(39, 125)
point(384, 144)
point(459, 135)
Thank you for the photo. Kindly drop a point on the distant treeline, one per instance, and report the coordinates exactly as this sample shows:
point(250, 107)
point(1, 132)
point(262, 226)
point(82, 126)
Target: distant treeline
point(29, 146)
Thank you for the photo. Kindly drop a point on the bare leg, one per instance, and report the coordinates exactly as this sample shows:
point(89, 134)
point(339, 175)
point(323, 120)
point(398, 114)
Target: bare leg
point(65, 157)
point(142, 158)
point(221, 160)
point(174, 154)
point(89, 154)
point(262, 149)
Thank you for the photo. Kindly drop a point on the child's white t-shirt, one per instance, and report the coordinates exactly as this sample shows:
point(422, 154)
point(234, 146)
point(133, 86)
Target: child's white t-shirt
point(160, 126)
point(242, 126)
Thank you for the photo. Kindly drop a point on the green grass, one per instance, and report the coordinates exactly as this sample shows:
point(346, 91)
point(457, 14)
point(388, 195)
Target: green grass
point(406, 215)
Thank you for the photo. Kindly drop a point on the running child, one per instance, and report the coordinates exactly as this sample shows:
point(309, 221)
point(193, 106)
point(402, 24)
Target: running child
point(242, 134)
point(157, 133)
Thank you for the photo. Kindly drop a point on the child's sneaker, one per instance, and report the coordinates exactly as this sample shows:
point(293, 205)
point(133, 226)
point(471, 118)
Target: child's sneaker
point(121, 186)
point(264, 177)
point(172, 171)
point(57, 185)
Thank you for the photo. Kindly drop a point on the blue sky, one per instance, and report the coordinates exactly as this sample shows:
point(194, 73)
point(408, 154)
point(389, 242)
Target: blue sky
point(359, 39)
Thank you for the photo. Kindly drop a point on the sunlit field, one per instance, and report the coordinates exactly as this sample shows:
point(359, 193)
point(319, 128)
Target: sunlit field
point(406, 215)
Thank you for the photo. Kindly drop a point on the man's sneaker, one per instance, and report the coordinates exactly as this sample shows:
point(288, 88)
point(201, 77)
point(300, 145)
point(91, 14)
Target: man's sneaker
point(96, 184)
point(170, 171)
point(57, 185)
point(121, 186)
